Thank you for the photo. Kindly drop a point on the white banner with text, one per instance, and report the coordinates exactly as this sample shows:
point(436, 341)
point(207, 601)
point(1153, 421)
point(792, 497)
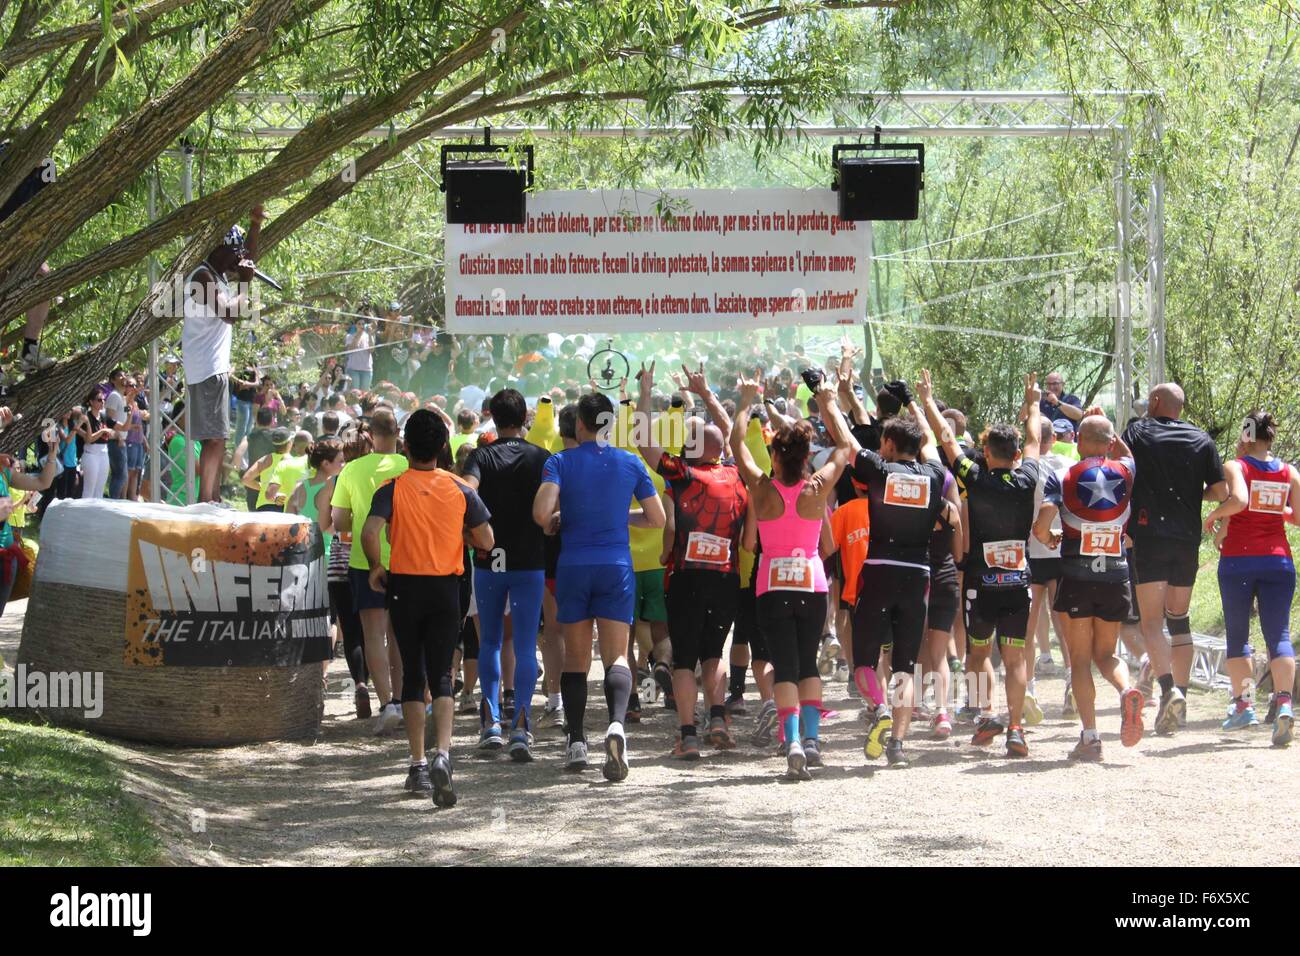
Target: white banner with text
point(626, 261)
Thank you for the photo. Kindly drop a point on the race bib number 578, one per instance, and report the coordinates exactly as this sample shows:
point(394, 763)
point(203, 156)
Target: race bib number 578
point(790, 574)
point(908, 491)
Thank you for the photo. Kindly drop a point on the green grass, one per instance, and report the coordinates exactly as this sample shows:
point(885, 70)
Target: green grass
point(62, 803)
point(1207, 608)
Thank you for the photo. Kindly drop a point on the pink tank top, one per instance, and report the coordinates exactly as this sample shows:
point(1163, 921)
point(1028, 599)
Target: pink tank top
point(789, 559)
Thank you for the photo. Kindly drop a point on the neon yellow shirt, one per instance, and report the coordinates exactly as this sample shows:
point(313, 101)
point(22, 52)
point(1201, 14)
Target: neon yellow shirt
point(291, 470)
point(355, 488)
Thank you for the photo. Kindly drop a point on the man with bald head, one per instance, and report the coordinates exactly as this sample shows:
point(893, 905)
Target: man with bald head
point(703, 580)
point(1092, 498)
point(1178, 467)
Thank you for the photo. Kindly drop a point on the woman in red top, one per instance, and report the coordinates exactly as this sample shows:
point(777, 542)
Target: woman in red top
point(1256, 566)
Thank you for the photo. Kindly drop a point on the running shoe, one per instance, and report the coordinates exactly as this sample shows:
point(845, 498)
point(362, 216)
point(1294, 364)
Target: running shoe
point(1131, 703)
point(894, 755)
point(879, 726)
point(520, 748)
point(735, 705)
point(552, 715)
point(1272, 710)
point(1172, 712)
point(615, 768)
point(828, 655)
point(796, 762)
point(1087, 751)
point(417, 779)
point(719, 735)
point(33, 362)
point(663, 676)
point(443, 794)
point(1033, 713)
point(764, 725)
point(1045, 659)
point(362, 699)
point(1283, 726)
point(986, 731)
point(389, 719)
point(812, 752)
point(687, 748)
point(467, 705)
point(490, 738)
point(968, 714)
point(941, 726)
point(575, 757)
point(1068, 710)
point(1240, 719)
point(1016, 745)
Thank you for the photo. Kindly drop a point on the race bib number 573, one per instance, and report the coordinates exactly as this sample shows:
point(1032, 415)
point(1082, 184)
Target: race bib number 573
point(908, 491)
point(708, 548)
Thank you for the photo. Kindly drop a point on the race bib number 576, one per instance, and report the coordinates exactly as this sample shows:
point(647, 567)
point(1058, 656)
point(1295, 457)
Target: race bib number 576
point(908, 491)
point(1269, 497)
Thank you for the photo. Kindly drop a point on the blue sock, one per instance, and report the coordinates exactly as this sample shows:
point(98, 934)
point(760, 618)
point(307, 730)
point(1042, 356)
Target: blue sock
point(810, 713)
point(790, 723)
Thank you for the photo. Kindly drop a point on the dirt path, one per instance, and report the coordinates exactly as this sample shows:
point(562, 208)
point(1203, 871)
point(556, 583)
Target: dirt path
point(1201, 797)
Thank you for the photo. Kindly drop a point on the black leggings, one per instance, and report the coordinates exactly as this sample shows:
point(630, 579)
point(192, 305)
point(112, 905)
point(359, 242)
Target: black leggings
point(425, 611)
point(792, 624)
point(892, 603)
point(747, 629)
point(701, 608)
point(354, 639)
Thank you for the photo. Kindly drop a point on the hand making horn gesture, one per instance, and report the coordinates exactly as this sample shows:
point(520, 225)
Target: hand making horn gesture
point(646, 378)
point(748, 388)
point(695, 381)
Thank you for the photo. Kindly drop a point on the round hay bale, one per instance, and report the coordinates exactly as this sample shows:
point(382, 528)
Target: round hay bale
point(204, 626)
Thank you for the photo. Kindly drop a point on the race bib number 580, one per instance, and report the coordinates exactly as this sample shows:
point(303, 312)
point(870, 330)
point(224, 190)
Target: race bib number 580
point(908, 491)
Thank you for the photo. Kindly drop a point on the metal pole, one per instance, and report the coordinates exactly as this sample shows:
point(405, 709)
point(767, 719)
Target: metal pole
point(155, 429)
point(1123, 277)
point(1155, 291)
point(187, 190)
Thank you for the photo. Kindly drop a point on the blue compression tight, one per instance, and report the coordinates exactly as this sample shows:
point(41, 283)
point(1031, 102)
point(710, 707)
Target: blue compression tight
point(524, 591)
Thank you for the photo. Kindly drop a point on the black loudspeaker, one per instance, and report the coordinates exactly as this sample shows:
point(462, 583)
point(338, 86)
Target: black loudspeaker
point(879, 187)
point(480, 192)
point(490, 190)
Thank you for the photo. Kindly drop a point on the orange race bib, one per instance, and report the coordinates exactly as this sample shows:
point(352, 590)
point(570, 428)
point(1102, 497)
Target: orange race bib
point(907, 491)
point(1005, 555)
point(1101, 540)
point(1269, 497)
point(789, 574)
point(705, 548)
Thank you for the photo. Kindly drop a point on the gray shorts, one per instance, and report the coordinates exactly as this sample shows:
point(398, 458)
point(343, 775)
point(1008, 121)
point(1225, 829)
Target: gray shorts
point(207, 405)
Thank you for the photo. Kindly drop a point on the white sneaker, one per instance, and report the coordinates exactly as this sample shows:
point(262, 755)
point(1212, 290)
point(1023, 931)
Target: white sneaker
point(34, 362)
point(1172, 712)
point(575, 757)
point(390, 718)
point(616, 755)
point(1045, 660)
point(1033, 713)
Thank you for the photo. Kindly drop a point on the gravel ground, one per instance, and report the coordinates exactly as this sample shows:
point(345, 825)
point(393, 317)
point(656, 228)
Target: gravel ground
point(1201, 797)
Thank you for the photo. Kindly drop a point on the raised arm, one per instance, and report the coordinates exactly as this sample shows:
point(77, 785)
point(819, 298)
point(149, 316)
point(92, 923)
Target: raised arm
point(696, 384)
point(932, 422)
point(642, 436)
point(1033, 416)
point(750, 473)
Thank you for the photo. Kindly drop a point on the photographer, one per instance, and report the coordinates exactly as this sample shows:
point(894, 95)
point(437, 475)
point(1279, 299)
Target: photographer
point(359, 344)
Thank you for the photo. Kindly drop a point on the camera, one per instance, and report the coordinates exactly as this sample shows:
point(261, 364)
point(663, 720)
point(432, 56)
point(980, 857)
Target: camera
point(812, 377)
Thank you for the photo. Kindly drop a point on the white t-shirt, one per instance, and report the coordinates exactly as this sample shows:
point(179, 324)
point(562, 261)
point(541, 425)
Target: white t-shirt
point(359, 361)
point(1049, 463)
point(205, 336)
point(115, 408)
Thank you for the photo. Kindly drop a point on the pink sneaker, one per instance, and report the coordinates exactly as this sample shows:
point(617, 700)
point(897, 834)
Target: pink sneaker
point(941, 726)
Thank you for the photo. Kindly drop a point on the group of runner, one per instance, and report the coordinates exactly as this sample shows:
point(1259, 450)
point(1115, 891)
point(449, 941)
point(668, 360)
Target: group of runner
point(882, 545)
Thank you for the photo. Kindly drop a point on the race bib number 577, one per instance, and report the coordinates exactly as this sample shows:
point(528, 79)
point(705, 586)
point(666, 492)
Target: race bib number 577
point(908, 491)
point(1100, 540)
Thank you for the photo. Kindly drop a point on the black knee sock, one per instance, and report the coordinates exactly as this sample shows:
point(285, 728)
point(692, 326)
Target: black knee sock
point(573, 692)
point(618, 690)
point(736, 683)
point(1166, 684)
point(1183, 689)
point(29, 346)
